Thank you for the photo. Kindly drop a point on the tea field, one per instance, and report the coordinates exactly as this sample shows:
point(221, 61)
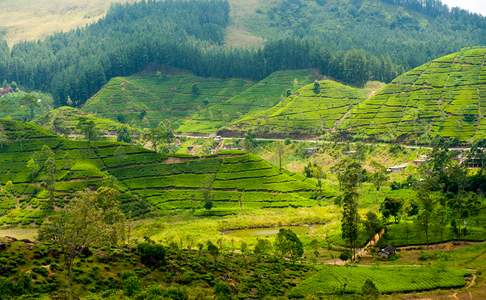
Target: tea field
point(444, 97)
point(259, 97)
point(309, 112)
point(145, 99)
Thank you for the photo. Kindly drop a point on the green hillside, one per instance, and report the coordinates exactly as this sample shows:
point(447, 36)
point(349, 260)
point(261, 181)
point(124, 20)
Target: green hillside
point(146, 99)
point(24, 105)
point(306, 113)
point(261, 96)
point(445, 97)
point(64, 120)
point(232, 181)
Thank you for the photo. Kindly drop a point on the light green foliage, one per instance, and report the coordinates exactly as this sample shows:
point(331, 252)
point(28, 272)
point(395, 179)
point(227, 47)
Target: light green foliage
point(261, 96)
point(344, 280)
point(305, 113)
point(444, 97)
point(145, 100)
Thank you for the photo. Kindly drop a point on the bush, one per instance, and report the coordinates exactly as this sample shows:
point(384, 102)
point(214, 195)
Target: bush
point(369, 290)
point(131, 284)
point(222, 290)
point(345, 255)
point(151, 255)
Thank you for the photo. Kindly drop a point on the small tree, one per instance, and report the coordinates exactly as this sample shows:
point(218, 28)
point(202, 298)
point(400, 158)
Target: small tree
point(195, 90)
point(123, 135)
point(262, 248)
point(426, 211)
point(391, 207)
point(213, 250)
point(317, 87)
point(288, 244)
point(379, 177)
point(280, 149)
point(372, 223)
point(369, 290)
point(79, 226)
point(88, 129)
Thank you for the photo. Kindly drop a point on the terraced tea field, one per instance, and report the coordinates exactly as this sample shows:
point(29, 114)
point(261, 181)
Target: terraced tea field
point(259, 97)
point(144, 100)
point(231, 181)
point(306, 113)
point(445, 97)
point(345, 280)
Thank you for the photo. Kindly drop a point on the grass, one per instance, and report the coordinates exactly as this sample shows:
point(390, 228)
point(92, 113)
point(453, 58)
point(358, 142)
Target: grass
point(398, 279)
point(144, 100)
point(33, 20)
point(305, 113)
point(443, 97)
point(257, 98)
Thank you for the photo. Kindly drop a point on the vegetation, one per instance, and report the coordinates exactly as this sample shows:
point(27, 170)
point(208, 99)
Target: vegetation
point(440, 98)
point(146, 99)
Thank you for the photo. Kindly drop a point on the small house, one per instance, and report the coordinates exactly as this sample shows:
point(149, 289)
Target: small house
point(397, 169)
point(421, 160)
point(387, 252)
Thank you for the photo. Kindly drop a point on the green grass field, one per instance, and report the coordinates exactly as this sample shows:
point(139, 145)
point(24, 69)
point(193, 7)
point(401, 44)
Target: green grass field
point(445, 97)
point(306, 113)
point(332, 280)
point(257, 98)
point(145, 99)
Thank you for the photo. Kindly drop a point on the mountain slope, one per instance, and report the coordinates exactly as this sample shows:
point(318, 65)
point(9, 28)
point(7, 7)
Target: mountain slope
point(445, 97)
point(148, 98)
point(262, 95)
point(232, 181)
point(307, 113)
point(409, 32)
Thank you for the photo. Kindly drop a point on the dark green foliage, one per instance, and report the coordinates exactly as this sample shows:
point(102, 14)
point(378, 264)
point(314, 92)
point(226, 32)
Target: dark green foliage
point(152, 255)
point(222, 291)
point(391, 208)
point(131, 284)
point(288, 244)
point(124, 135)
point(369, 290)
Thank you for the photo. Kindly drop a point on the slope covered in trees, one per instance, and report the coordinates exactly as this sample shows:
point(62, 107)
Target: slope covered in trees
point(445, 97)
point(183, 34)
point(146, 99)
point(261, 96)
point(312, 110)
point(40, 170)
point(407, 32)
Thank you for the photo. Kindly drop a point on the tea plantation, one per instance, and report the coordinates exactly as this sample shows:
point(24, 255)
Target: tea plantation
point(308, 112)
point(349, 280)
point(446, 97)
point(65, 120)
point(259, 97)
point(146, 99)
point(231, 181)
point(23, 105)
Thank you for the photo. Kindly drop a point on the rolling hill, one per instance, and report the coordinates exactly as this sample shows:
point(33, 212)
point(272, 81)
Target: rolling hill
point(445, 97)
point(65, 119)
point(261, 96)
point(146, 99)
point(306, 113)
point(23, 105)
point(232, 181)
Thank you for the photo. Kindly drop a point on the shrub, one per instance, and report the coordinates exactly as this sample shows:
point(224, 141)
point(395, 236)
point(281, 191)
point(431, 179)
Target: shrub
point(345, 255)
point(222, 290)
point(131, 284)
point(369, 290)
point(151, 255)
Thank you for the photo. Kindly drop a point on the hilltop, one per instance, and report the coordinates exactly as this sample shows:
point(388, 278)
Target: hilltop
point(148, 180)
point(309, 112)
point(146, 99)
point(443, 97)
point(261, 96)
